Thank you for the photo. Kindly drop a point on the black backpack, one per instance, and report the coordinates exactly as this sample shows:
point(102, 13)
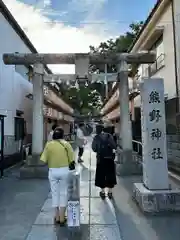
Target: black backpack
point(105, 149)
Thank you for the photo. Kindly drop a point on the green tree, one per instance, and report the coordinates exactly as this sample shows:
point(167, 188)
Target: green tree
point(84, 99)
point(118, 45)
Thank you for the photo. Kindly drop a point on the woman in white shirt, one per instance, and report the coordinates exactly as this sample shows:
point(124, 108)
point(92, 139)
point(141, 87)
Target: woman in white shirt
point(54, 126)
point(80, 142)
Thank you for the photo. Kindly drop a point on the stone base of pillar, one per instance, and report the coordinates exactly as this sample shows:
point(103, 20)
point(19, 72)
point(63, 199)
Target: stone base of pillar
point(156, 201)
point(126, 166)
point(33, 169)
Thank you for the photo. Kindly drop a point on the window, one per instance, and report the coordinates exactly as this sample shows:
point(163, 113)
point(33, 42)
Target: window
point(158, 47)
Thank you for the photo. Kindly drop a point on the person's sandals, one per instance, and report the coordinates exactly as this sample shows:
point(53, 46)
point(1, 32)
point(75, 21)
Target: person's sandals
point(56, 221)
point(102, 195)
point(110, 196)
point(62, 224)
point(80, 161)
point(59, 222)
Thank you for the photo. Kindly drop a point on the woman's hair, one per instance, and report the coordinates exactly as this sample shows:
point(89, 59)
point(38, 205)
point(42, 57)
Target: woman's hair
point(109, 129)
point(58, 134)
point(106, 129)
point(54, 126)
point(81, 124)
point(99, 129)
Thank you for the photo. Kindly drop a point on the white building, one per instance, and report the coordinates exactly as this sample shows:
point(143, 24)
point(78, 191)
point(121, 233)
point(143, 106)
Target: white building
point(158, 34)
point(15, 86)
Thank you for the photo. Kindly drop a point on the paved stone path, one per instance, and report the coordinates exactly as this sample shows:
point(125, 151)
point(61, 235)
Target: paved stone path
point(98, 217)
point(20, 201)
point(26, 212)
point(134, 225)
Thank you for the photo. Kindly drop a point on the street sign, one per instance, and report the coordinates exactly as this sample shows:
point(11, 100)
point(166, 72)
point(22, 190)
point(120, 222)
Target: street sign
point(73, 214)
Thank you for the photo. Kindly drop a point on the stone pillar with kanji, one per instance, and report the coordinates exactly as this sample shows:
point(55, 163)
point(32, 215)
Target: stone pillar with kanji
point(155, 170)
point(155, 194)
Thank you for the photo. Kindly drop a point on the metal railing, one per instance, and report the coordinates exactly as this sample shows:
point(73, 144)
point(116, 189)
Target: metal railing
point(137, 147)
point(137, 151)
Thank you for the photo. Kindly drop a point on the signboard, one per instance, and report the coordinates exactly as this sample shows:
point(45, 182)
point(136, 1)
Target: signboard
point(73, 214)
point(60, 115)
point(45, 110)
point(54, 113)
point(155, 171)
point(45, 90)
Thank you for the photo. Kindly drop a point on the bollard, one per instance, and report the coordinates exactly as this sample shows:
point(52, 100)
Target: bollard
point(73, 208)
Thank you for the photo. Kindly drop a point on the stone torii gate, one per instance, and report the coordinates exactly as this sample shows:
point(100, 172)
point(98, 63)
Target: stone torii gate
point(81, 61)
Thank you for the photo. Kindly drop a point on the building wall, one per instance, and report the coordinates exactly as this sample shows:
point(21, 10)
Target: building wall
point(167, 72)
point(13, 86)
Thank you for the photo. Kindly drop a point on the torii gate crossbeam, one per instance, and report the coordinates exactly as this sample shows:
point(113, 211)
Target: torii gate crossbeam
point(70, 58)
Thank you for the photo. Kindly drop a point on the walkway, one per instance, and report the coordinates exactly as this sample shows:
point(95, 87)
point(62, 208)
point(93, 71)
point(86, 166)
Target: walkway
point(98, 218)
point(134, 225)
point(20, 202)
point(26, 213)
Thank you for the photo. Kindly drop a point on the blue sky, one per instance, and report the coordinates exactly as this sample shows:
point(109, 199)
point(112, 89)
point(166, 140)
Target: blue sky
point(119, 13)
point(62, 26)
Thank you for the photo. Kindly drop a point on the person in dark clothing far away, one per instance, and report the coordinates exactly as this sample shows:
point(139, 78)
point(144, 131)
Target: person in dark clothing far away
point(104, 146)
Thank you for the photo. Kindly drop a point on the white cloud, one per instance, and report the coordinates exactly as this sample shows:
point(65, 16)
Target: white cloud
point(41, 3)
point(47, 3)
point(87, 5)
point(55, 37)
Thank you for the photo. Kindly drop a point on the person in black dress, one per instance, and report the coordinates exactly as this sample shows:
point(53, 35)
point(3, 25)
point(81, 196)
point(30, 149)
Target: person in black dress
point(103, 144)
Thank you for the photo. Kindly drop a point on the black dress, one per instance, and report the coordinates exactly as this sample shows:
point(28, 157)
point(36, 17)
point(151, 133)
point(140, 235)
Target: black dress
point(105, 176)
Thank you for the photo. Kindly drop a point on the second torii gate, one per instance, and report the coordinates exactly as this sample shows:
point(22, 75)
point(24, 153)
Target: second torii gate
point(81, 61)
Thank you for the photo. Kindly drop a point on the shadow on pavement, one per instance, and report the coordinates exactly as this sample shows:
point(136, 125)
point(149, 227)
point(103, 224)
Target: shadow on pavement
point(63, 234)
point(137, 226)
point(86, 174)
point(20, 202)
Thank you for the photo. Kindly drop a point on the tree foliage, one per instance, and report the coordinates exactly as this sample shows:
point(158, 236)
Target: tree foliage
point(88, 98)
point(118, 45)
point(84, 99)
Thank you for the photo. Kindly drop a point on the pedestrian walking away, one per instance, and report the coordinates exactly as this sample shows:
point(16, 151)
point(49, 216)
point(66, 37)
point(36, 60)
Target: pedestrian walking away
point(54, 126)
point(59, 156)
point(104, 146)
point(81, 141)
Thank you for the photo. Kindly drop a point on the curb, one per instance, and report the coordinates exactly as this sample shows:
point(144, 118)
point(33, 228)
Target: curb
point(19, 164)
point(174, 176)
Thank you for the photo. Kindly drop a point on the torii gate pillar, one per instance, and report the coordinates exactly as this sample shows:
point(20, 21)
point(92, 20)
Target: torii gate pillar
point(34, 168)
point(38, 119)
point(126, 164)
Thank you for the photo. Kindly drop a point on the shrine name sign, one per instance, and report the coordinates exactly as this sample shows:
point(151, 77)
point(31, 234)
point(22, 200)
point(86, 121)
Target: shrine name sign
point(155, 170)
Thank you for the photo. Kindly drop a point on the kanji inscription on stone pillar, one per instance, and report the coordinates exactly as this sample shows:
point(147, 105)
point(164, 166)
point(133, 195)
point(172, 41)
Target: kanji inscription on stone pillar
point(155, 172)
